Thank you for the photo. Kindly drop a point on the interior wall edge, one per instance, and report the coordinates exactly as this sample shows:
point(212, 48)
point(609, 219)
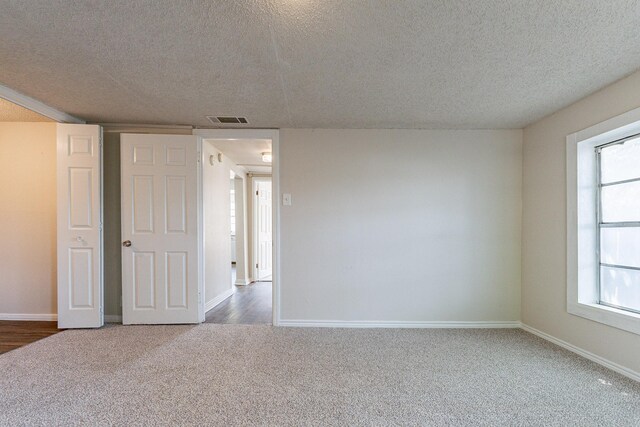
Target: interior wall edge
point(627, 372)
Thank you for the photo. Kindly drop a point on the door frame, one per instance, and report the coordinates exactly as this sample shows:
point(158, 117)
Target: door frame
point(254, 223)
point(274, 136)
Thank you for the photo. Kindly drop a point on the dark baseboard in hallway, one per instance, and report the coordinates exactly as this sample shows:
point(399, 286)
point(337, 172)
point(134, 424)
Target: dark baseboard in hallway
point(249, 305)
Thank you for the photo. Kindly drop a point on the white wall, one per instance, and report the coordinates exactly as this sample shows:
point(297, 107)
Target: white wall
point(28, 219)
point(401, 225)
point(217, 224)
point(544, 301)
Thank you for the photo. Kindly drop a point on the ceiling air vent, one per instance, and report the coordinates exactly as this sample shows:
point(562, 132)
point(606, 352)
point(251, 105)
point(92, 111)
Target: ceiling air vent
point(227, 120)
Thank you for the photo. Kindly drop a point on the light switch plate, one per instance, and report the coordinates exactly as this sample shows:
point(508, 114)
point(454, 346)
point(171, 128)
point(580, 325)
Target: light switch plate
point(286, 199)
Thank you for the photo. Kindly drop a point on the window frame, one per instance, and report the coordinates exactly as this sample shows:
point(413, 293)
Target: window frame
point(583, 246)
point(600, 223)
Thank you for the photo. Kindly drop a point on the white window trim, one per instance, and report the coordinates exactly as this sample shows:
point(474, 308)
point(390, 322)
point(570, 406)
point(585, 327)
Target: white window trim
point(581, 221)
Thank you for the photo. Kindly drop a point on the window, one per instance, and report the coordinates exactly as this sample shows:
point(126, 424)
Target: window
point(603, 222)
point(618, 222)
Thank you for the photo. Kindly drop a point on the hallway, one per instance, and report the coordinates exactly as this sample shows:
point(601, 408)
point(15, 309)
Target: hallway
point(249, 305)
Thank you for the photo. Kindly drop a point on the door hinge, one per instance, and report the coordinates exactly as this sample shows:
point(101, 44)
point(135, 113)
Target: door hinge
point(256, 193)
point(256, 265)
point(199, 157)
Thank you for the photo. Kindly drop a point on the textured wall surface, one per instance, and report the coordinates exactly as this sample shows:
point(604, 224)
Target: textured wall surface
point(401, 225)
point(10, 112)
point(333, 63)
point(28, 218)
point(544, 288)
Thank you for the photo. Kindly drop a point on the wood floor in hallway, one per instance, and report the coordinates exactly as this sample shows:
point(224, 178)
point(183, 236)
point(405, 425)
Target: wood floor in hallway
point(250, 304)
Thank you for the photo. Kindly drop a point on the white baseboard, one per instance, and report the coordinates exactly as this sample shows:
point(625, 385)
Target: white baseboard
point(375, 324)
point(25, 316)
point(584, 353)
point(112, 318)
point(395, 324)
point(217, 300)
point(242, 282)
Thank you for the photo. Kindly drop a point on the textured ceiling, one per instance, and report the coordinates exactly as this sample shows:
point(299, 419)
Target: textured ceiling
point(317, 63)
point(245, 152)
point(10, 112)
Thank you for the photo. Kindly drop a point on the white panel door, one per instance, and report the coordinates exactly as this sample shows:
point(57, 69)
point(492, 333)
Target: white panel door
point(159, 229)
point(264, 235)
point(79, 200)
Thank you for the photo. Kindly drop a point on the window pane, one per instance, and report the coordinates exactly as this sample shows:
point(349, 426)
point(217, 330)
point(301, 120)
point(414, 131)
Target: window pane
point(621, 161)
point(621, 202)
point(620, 287)
point(620, 246)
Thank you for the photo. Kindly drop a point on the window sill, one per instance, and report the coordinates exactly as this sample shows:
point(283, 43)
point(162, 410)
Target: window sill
point(610, 316)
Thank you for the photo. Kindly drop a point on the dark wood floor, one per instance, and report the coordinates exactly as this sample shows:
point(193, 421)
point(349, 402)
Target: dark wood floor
point(15, 334)
point(249, 305)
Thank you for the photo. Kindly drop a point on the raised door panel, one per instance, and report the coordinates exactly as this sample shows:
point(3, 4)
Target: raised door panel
point(144, 290)
point(80, 145)
point(80, 278)
point(176, 279)
point(143, 155)
point(80, 198)
point(175, 204)
point(175, 156)
point(142, 204)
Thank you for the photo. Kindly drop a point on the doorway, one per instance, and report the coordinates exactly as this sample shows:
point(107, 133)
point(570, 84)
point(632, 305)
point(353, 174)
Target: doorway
point(249, 236)
point(163, 233)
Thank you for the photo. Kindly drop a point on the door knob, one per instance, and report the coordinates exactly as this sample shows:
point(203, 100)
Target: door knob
point(126, 243)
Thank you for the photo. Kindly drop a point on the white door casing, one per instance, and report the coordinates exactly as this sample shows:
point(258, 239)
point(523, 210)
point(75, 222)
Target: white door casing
point(160, 270)
point(79, 226)
point(274, 136)
point(263, 223)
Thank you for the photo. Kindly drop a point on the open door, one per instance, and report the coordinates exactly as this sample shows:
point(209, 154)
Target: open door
point(79, 200)
point(264, 242)
point(159, 229)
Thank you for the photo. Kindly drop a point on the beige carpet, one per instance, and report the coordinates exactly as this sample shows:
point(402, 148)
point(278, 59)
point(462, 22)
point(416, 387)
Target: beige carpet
point(259, 375)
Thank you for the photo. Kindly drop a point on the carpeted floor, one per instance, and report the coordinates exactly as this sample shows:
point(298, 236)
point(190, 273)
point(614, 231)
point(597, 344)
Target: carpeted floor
point(258, 375)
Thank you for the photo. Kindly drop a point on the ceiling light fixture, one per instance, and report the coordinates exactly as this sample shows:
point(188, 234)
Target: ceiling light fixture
point(267, 157)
